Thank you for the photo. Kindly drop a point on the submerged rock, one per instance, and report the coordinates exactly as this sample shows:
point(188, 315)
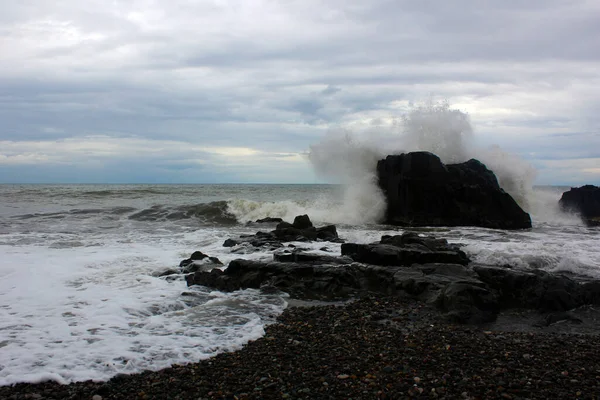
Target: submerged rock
point(584, 201)
point(422, 191)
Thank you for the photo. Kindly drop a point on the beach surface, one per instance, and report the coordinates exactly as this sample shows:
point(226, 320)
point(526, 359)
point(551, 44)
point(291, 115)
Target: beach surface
point(372, 348)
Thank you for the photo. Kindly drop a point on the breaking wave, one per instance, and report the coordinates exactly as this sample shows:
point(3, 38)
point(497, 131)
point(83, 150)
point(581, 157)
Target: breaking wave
point(215, 212)
point(351, 210)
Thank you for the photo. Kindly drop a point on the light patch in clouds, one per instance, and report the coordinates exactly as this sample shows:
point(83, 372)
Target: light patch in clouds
point(108, 153)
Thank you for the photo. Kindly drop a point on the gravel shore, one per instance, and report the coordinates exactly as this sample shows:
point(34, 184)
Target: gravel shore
point(374, 348)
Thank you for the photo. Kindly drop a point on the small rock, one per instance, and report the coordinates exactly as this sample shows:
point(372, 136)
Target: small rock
point(96, 397)
point(343, 376)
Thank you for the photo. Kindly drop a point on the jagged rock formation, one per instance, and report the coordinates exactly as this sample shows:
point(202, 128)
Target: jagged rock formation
point(301, 230)
point(584, 201)
point(422, 191)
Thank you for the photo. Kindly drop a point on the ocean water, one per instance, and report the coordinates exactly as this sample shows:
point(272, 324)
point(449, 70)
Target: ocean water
point(80, 292)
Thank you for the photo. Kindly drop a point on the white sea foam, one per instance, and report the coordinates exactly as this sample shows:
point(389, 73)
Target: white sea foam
point(78, 313)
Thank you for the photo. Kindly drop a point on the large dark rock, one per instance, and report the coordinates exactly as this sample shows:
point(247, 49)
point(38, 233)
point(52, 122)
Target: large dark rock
point(584, 201)
point(422, 191)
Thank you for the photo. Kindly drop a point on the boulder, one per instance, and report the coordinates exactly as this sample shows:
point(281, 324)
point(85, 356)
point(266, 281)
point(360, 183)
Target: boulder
point(422, 191)
point(199, 261)
point(584, 201)
point(467, 302)
point(302, 222)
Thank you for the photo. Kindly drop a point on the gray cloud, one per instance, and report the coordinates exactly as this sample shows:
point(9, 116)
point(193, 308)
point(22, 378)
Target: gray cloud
point(274, 76)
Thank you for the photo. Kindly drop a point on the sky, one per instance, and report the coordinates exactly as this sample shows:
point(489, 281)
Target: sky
point(194, 91)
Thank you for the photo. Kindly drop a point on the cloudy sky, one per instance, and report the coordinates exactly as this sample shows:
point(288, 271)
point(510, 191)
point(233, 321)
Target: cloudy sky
point(237, 90)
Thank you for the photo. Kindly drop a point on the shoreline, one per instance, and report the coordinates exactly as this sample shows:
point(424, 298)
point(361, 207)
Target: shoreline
point(373, 348)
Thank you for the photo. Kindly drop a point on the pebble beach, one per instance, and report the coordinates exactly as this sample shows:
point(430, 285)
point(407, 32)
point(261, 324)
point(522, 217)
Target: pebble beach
point(372, 348)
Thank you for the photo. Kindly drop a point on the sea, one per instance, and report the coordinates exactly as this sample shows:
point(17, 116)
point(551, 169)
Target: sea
point(81, 291)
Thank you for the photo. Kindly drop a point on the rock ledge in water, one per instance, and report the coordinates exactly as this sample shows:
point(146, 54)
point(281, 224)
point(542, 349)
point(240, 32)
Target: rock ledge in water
point(301, 230)
point(407, 265)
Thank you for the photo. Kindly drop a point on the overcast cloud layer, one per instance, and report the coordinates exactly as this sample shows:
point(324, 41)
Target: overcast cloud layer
point(236, 91)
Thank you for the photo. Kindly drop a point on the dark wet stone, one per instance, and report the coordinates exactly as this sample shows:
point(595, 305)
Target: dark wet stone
point(304, 257)
point(199, 261)
point(468, 302)
point(230, 243)
point(269, 220)
point(536, 289)
point(421, 191)
point(406, 249)
point(302, 222)
point(302, 230)
point(584, 201)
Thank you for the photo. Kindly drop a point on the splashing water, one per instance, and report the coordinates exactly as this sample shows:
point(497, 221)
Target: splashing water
point(351, 157)
point(347, 158)
point(437, 128)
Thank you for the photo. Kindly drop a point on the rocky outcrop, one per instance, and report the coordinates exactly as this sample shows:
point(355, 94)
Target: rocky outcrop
point(301, 230)
point(584, 201)
point(411, 265)
point(422, 191)
point(199, 261)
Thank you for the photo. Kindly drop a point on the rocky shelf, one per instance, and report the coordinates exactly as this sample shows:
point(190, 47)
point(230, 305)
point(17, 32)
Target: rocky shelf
point(410, 265)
